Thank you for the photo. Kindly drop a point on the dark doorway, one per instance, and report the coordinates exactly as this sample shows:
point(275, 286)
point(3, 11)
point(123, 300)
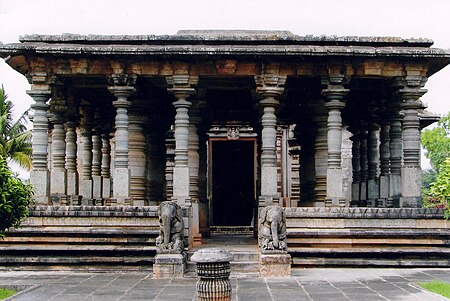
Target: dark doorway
point(233, 184)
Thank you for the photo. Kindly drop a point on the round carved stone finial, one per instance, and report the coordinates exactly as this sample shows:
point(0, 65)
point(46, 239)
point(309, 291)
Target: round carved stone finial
point(211, 255)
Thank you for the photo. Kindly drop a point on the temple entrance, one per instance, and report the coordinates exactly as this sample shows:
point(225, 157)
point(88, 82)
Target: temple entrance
point(233, 182)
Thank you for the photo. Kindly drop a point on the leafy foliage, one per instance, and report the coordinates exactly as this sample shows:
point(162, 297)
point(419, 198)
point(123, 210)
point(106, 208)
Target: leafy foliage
point(15, 139)
point(428, 177)
point(437, 142)
point(15, 198)
point(439, 193)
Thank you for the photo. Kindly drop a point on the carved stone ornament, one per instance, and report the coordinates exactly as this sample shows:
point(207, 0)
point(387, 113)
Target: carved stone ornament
point(233, 133)
point(170, 239)
point(272, 228)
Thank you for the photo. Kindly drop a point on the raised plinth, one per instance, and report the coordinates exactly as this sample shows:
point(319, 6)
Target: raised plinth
point(169, 266)
point(275, 264)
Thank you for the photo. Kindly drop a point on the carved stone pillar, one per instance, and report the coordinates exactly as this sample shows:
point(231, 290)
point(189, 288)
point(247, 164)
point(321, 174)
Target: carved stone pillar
point(86, 176)
point(106, 166)
point(269, 87)
point(364, 167)
point(396, 151)
point(320, 155)
point(373, 161)
point(122, 90)
point(137, 156)
point(58, 180)
point(194, 165)
point(97, 166)
point(181, 87)
point(385, 163)
point(411, 171)
point(356, 167)
point(334, 94)
point(39, 175)
point(71, 162)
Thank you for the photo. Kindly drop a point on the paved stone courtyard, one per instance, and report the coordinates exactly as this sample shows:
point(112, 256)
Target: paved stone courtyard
point(306, 284)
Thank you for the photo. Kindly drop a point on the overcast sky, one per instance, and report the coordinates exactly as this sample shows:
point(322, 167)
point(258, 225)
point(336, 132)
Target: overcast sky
point(404, 18)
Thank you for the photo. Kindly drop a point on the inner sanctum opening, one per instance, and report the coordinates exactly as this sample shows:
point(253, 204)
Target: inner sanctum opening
point(233, 182)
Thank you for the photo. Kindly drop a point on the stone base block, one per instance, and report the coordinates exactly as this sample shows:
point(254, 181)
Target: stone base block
point(275, 265)
point(106, 191)
point(334, 183)
point(121, 185)
point(72, 183)
point(169, 266)
point(58, 182)
point(355, 191)
point(373, 190)
point(41, 184)
point(384, 187)
point(395, 186)
point(410, 202)
point(86, 189)
point(97, 187)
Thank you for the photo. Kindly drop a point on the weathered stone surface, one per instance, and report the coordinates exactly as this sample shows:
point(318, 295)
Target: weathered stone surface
point(169, 266)
point(210, 255)
point(275, 265)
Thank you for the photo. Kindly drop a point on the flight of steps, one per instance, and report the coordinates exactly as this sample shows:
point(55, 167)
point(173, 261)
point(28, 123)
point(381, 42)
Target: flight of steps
point(82, 238)
point(368, 237)
point(240, 242)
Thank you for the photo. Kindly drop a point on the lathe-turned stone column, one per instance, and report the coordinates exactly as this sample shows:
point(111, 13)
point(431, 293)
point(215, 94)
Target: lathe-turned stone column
point(71, 162)
point(194, 164)
point(39, 175)
point(411, 171)
point(373, 161)
point(269, 87)
point(106, 165)
point(122, 90)
point(320, 159)
point(58, 150)
point(364, 167)
point(396, 152)
point(356, 167)
point(86, 175)
point(335, 93)
point(385, 164)
point(137, 156)
point(97, 165)
point(182, 87)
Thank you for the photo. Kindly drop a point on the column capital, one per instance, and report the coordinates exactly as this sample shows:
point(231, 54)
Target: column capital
point(270, 85)
point(182, 86)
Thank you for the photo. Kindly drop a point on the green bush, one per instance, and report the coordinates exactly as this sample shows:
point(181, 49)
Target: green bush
point(15, 198)
point(439, 194)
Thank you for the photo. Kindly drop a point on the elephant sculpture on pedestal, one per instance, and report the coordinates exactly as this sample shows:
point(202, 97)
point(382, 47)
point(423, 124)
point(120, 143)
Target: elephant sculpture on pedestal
point(272, 228)
point(170, 239)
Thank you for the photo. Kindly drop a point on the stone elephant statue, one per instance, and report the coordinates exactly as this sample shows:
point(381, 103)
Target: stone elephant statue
point(170, 239)
point(272, 228)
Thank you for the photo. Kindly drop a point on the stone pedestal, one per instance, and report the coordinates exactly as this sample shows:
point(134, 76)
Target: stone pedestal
point(121, 184)
point(275, 265)
point(213, 269)
point(97, 187)
point(106, 185)
point(41, 185)
point(86, 189)
point(169, 266)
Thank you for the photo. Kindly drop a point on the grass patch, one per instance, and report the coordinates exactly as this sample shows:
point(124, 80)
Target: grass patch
point(438, 287)
point(5, 293)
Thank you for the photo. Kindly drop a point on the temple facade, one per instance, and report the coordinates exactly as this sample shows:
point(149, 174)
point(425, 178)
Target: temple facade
point(226, 122)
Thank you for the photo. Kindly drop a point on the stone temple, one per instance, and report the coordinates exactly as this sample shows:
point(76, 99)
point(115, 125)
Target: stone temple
point(226, 123)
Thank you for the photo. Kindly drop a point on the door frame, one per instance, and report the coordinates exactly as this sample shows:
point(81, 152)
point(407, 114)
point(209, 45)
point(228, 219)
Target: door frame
point(209, 189)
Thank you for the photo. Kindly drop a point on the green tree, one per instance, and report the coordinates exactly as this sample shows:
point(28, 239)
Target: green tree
point(15, 198)
point(439, 193)
point(15, 139)
point(437, 142)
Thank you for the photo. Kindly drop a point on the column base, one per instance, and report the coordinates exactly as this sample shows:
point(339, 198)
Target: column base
point(40, 180)
point(410, 202)
point(169, 266)
point(334, 183)
point(106, 191)
point(372, 190)
point(275, 265)
point(58, 182)
point(121, 185)
point(86, 189)
point(97, 187)
point(395, 186)
point(72, 183)
point(384, 187)
point(336, 202)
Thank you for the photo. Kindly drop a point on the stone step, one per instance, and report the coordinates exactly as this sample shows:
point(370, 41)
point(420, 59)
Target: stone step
point(77, 247)
point(238, 255)
point(367, 233)
point(387, 251)
point(369, 262)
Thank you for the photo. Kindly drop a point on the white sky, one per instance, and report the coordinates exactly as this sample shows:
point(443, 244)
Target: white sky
point(404, 18)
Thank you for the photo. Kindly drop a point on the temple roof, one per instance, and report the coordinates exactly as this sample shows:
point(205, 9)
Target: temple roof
point(230, 43)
